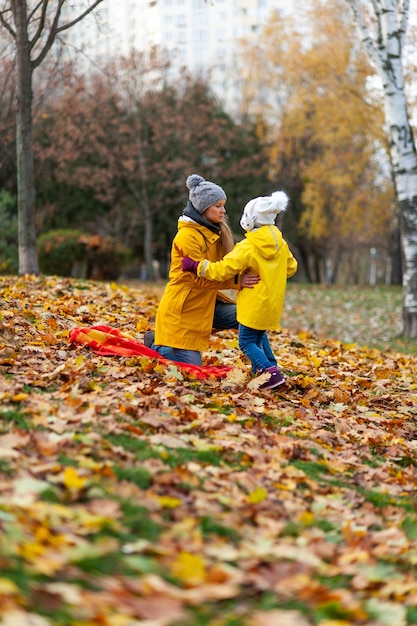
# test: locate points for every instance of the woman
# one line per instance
(191, 306)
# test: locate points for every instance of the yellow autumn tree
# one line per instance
(311, 85)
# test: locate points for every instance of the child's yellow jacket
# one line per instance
(264, 251)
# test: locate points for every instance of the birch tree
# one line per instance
(383, 26)
(33, 28)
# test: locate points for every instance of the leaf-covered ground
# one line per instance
(131, 495)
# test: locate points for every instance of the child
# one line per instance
(265, 252)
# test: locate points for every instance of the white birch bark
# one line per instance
(383, 26)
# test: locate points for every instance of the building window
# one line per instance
(202, 36)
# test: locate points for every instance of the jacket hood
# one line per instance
(267, 240)
(209, 234)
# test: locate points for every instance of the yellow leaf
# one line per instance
(31, 550)
(289, 485)
(316, 361)
(72, 480)
(169, 503)
(7, 587)
(257, 495)
(335, 622)
(306, 518)
(189, 568)
(18, 397)
(142, 324)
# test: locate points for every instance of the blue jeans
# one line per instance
(224, 317)
(255, 345)
(182, 356)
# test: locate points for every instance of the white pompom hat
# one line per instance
(263, 210)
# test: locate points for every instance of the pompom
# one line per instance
(279, 200)
(194, 180)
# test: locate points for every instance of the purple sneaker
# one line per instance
(275, 380)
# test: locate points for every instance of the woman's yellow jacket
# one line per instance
(185, 314)
(266, 253)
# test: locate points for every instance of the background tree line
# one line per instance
(113, 148)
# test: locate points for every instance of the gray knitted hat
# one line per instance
(203, 193)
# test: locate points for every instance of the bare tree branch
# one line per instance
(56, 29)
(35, 9)
(37, 35)
(80, 17)
(51, 35)
(6, 24)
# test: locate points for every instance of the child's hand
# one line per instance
(188, 265)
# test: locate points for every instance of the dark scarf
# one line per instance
(191, 212)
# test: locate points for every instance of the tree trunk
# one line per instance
(395, 276)
(385, 51)
(28, 258)
(409, 255)
(404, 160)
(147, 244)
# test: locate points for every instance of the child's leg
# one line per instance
(251, 343)
(266, 347)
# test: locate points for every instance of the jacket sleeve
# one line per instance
(190, 246)
(233, 263)
(292, 264)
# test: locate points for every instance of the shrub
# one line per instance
(73, 253)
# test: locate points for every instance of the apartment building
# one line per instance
(201, 35)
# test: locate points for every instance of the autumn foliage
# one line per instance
(128, 138)
(324, 124)
(132, 493)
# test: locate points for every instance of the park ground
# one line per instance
(134, 494)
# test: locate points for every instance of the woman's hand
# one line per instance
(248, 279)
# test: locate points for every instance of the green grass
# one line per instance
(137, 475)
(177, 457)
(367, 316)
(15, 419)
